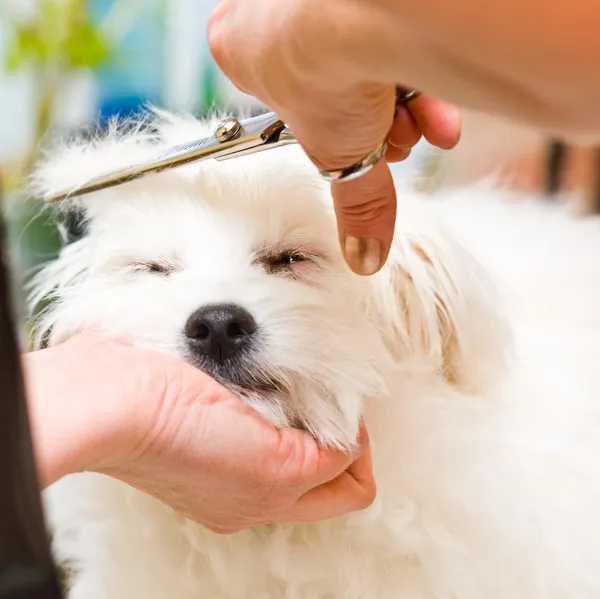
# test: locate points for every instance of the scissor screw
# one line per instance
(228, 129)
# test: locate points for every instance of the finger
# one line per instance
(96, 334)
(352, 490)
(396, 154)
(302, 463)
(224, 530)
(221, 22)
(366, 212)
(214, 32)
(439, 122)
(405, 132)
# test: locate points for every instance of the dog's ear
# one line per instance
(436, 305)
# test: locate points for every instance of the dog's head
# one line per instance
(236, 267)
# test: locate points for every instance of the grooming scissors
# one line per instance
(230, 139)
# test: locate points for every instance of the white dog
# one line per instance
(472, 357)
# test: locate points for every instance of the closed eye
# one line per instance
(285, 262)
(285, 259)
(156, 267)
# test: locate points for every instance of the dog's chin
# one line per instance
(238, 377)
(267, 394)
(286, 401)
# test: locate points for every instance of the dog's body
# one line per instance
(474, 370)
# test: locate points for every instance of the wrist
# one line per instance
(78, 396)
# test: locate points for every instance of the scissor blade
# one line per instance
(256, 132)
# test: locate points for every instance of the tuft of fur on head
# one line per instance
(68, 163)
(158, 248)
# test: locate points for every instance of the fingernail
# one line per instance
(364, 256)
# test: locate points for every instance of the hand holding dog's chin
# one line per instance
(164, 427)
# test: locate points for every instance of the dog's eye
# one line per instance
(283, 262)
(286, 259)
(154, 267)
(288, 262)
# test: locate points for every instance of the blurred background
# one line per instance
(68, 64)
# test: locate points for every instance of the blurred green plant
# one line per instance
(58, 40)
(61, 34)
(53, 43)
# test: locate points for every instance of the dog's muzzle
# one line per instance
(221, 340)
(219, 333)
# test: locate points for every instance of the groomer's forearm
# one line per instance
(54, 418)
(74, 393)
(531, 60)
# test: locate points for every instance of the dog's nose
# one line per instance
(219, 331)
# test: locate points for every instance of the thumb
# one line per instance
(366, 214)
(354, 124)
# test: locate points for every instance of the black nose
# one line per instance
(219, 331)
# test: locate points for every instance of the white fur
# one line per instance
(472, 357)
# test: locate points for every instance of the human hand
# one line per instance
(171, 431)
(303, 67)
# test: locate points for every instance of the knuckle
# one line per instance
(368, 496)
(370, 210)
(216, 47)
(290, 459)
(217, 40)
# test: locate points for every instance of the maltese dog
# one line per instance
(471, 356)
